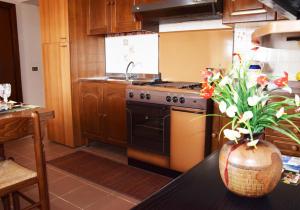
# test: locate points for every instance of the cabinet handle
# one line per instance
(64, 45)
(294, 148)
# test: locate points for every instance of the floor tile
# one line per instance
(60, 204)
(85, 196)
(54, 175)
(111, 203)
(64, 185)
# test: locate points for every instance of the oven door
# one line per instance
(149, 127)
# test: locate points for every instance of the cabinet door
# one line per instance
(91, 109)
(237, 11)
(56, 59)
(54, 21)
(115, 113)
(99, 17)
(123, 19)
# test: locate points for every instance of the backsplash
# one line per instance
(275, 60)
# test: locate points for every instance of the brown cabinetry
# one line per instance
(68, 55)
(237, 11)
(103, 112)
(111, 16)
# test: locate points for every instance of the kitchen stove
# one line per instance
(182, 94)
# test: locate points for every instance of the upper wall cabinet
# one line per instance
(111, 16)
(237, 11)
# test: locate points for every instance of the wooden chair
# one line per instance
(14, 177)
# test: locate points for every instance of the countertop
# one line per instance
(202, 188)
(106, 80)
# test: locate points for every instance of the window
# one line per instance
(141, 49)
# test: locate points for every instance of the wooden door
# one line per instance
(54, 21)
(123, 19)
(91, 109)
(56, 60)
(115, 113)
(9, 50)
(99, 17)
(237, 11)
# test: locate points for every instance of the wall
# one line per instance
(30, 52)
(184, 55)
(274, 61)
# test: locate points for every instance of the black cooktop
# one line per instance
(169, 84)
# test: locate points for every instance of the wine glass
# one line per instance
(5, 92)
(1, 91)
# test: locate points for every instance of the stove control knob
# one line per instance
(148, 96)
(142, 96)
(131, 94)
(182, 100)
(168, 99)
(175, 99)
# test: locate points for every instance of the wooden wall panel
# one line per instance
(87, 57)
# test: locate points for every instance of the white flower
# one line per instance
(263, 103)
(243, 130)
(272, 86)
(251, 83)
(253, 100)
(297, 100)
(287, 89)
(280, 112)
(252, 143)
(216, 76)
(246, 116)
(232, 135)
(231, 111)
(222, 106)
(235, 97)
(226, 80)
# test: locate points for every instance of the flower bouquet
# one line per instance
(250, 166)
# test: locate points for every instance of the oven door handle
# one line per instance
(188, 110)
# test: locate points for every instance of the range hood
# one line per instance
(174, 11)
(278, 34)
(287, 8)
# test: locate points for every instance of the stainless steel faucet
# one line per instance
(127, 68)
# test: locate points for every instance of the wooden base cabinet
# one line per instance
(103, 112)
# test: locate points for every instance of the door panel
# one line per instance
(242, 5)
(115, 113)
(123, 18)
(9, 51)
(91, 108)
(99, 17)
(56, 62)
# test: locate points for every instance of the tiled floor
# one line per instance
(68, 192)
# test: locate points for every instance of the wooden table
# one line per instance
(202, 188)
(45, 115)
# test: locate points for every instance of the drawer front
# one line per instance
(285, 145)
(272, 132)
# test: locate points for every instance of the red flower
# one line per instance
(283, 81)
(262, 80)
(207, 91)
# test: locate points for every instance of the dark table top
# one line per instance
(202, 188)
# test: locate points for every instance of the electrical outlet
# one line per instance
(35, 68)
